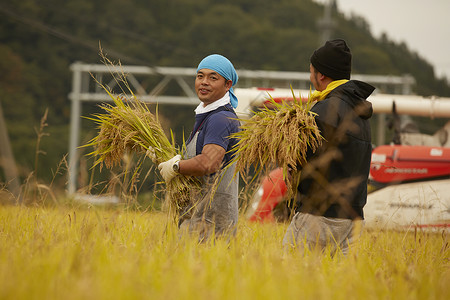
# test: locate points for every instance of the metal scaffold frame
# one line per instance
(85, 89)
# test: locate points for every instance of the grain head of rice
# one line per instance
(280, 133)
(129, 126)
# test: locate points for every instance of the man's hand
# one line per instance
(166, 168)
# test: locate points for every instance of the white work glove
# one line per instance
(166, 168)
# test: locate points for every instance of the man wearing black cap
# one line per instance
(333, 186)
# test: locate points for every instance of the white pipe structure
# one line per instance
(433, 107)
(249, 98)
(83, 91)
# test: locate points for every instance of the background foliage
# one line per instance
(40, 39)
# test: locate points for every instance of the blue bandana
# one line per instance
(225, 68)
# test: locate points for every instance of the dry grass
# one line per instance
(74, 253)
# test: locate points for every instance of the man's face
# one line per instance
(313, 77)
(210, 86)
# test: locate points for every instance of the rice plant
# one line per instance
(279, 134)
(129, 126)
(93, 253)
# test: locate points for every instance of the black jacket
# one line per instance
(334, 180)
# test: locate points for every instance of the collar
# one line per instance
(212, 106)
(320, 95)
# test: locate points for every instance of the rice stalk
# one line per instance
(129, 126)
(278, 134)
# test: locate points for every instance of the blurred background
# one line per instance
(41, 39)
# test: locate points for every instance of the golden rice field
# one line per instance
(94, 253)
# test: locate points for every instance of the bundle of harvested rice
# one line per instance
(130, 126)
(278, 134)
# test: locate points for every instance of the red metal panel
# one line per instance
(398, 163)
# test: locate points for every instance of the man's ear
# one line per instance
(321, 77)
(229, 84)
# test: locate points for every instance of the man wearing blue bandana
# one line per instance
(208, 151)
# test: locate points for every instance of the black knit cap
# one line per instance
(333, 60)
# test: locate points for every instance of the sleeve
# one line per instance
(218, 130)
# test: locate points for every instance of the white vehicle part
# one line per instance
(424, 204)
